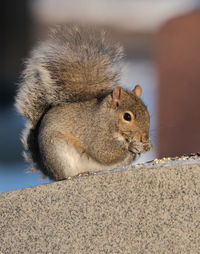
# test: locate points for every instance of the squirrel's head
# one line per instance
(131, 115)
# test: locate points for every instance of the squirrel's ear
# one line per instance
(137, 91)
(116, 96)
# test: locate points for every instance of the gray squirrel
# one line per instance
(79, 118)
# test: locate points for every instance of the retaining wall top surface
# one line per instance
(148, 210)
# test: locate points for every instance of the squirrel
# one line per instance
(78, 118)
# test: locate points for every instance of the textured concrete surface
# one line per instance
(151, 208)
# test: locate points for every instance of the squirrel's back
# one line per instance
(74, 64)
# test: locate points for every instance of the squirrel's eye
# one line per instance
(127, 117)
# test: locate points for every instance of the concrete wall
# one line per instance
(151, 208)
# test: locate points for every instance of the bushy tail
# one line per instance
(75, 64)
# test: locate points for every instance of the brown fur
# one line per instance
(75, 112)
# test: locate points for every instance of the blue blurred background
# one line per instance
(134, 23)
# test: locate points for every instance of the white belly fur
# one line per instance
(74, 163)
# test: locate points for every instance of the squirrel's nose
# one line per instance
(142, 137)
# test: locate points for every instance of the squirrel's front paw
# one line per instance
(147, 146)
(135, 147)
(139, 147)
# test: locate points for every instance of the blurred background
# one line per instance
(161, 40)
